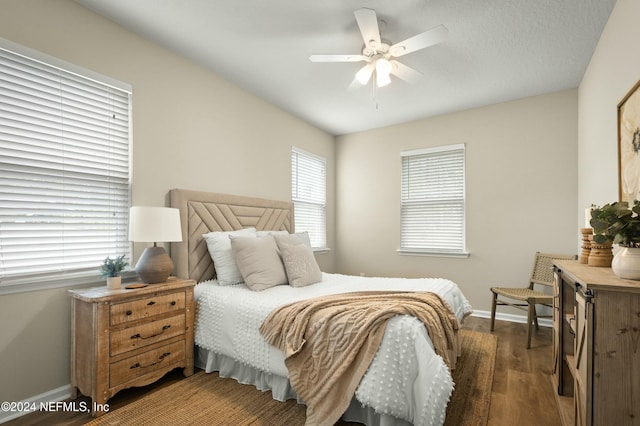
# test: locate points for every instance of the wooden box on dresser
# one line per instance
(596, 345)
(124, 338)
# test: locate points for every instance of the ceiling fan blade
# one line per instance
(428, 38)
(368, 24)
(336, 58)
(404, 72)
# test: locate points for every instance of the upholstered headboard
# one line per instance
(203, 212)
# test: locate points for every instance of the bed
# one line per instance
(405, 383)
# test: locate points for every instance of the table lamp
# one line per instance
(154, 224)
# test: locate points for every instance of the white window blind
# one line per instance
(433, 201)
(308, 193)
(64, 170)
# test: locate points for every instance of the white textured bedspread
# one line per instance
(406, 379)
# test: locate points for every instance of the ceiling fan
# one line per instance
(379, 54)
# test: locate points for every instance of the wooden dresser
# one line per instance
(125, 338)
(596, 346)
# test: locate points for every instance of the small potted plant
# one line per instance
(111, 268)
(616, 223)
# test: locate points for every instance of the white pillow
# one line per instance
(299, 260)
(219, 247)
(258, 261)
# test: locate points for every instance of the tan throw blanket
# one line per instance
(330, 341)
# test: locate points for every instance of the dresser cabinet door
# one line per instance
(581, 358)
(557, 330)
(616, 359)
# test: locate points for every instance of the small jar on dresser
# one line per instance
(124, 338)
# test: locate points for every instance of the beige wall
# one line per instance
(614, 69)
(191, 129)
(521, 191)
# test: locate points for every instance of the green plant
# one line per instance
(616, 223)
(113, 267)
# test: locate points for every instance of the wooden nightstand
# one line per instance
(125, 338)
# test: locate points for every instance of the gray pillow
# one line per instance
(299, 261)
(258, 261)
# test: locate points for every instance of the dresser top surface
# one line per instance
(596, 278)
(103, 294)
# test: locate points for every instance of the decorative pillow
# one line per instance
(258, 261)
(291, 238)
(219, 247)
(299, 261)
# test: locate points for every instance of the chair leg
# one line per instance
(493, 311)
(531, 314)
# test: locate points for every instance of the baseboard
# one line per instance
(543, 322)
(33, 404)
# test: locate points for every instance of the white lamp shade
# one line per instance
(154, 224)
(364, 74)
(383, 69)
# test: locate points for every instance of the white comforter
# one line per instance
(406, 379)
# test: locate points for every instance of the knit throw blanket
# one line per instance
(330, 341)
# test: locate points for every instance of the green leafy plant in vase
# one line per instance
(111, 268)
(616, 223)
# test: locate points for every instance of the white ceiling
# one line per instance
(497, 50)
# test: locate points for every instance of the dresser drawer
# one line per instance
(132, 368)
(146, 334)
(147, 307)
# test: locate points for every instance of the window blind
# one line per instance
(308, 193)
(433, 200)
(64, 171)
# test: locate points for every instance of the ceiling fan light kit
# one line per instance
(379, 54)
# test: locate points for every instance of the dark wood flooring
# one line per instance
(521, 394)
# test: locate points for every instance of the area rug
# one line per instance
(473, 378)
(212, 400)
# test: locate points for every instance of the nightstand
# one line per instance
(124, 338)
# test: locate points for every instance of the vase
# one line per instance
(626, 263)
(600, 254)
(114, 283)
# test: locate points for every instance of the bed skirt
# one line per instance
(281, 389)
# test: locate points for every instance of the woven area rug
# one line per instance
(211, 400)
(473, 378)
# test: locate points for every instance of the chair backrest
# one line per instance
(543, 267)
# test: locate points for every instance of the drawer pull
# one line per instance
(173, 303)
(128, 313)
(151, 303)
(138, 336)
(160, 359)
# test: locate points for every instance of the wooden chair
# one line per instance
(527, 298)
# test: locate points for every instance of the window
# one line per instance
(308, 193)
(432, 204)
(64, 170)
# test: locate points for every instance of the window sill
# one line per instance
(409, 252)
(323, 250)
(48, 282)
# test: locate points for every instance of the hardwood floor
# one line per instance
(521, 393)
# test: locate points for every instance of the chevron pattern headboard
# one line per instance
(203, 212)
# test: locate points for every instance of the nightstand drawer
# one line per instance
(146, 334)
(147, 307)
(137, 366)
